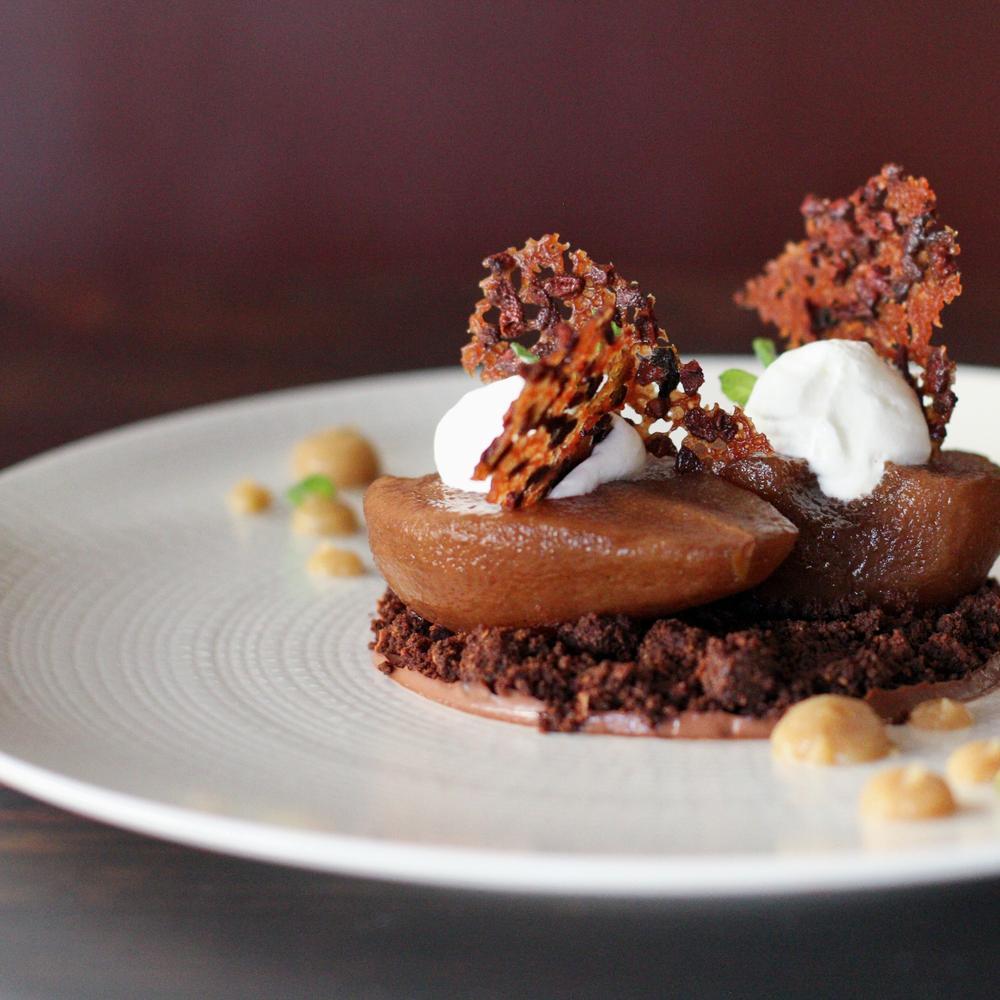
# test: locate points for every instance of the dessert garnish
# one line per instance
(817, 543)
(328, 560)
(941, 714)
(830, 729)
(838, 406)
(317, 510)
(911, 792)
(322, 461)
(975, 762)
(875, 266)
(596, 349)
(249, 497)
(317, 514)
(737, 383)
(315, 485)
(477, 420)
(342, 454)
(872, 480)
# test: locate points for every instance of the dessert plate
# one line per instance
(170, 668)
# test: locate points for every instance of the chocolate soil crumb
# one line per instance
(722, 657)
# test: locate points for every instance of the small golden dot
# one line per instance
(319, 515)
(328, 560)
(906, 793)
(342, 454)
(941, 714)
(830, 729)
(975, 763)
(248, 497)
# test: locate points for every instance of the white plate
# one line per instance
(171, 668)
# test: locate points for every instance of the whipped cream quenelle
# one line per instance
(476, 420)
(845, 411)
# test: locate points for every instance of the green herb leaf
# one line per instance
(737, 385)
(765, 350)
(616, 329)
(316, 485)
(523, 354)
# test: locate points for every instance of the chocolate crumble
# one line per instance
(722, 657)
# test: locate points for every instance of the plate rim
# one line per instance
(519, 872)
(473, 868)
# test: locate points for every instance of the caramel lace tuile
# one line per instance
(876, 266)
(598, 348)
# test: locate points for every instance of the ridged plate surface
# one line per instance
(173, 669)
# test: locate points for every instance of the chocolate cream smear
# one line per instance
(720, 671)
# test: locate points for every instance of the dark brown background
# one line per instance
(199, 200)
(205, 199)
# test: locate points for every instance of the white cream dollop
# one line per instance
(468, 428)
(844, 410)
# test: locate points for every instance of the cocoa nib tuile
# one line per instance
(598, 348)
(876, 266)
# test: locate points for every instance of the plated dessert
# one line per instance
(602, 551)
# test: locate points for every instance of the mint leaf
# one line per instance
(316, 485)
(765, 350)
(523, 354)
(737, 385)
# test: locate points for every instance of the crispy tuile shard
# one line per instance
(598, 348)
(876, 266)
(538, 292)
